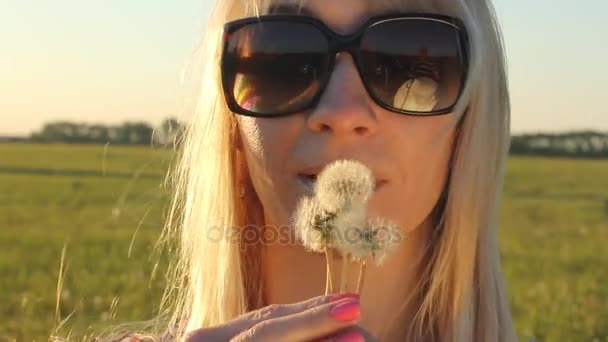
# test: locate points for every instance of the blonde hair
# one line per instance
(462, 292)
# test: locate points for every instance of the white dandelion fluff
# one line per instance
(309, 231)
(343, 183)
(314, 226)
(377, 238)
(348, 222)
(336, 217)
(343, 189)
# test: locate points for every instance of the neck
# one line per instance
(291, 274)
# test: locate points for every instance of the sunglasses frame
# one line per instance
(338, 43)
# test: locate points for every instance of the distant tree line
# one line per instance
(128, 133)
(588, 144)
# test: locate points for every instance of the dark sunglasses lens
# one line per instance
(413, 64)
(275, 67)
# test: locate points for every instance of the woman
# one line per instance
(414, 89)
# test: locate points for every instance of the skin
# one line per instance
(410, 153)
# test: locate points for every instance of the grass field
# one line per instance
(105, 206)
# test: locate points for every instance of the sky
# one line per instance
(109, 61)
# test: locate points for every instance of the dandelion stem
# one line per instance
(327, 278)
(361, 276)
(329, 286)
(344, 272)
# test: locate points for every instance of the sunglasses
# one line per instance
(276, 65)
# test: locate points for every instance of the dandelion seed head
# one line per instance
(337, 215)
(308, 222)
(385, 238)
(377, 238)
(347, 223)
(343, 183)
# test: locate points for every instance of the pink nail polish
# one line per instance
(337, 297)
(352, 336)
(346, 311)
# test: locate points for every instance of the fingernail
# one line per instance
(339, 296)
(352, 336)
(346, 311)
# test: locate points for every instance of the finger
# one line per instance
(307, 325)
(228, 330)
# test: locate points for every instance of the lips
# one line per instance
(307, 182)
(311, 172)
(308, 177)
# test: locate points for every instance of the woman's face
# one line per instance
(408, 155)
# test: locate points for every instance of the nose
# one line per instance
(345, 108)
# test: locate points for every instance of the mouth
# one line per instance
(308, 180)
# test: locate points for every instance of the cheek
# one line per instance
(422, 161)
(427, 179)
(267, 144)
(252, 137)
(262, 155)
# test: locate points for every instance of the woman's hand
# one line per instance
(309, 320)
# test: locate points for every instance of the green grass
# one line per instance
(554, 236)
(94, 199)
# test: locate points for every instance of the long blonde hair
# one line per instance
(462, 293)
